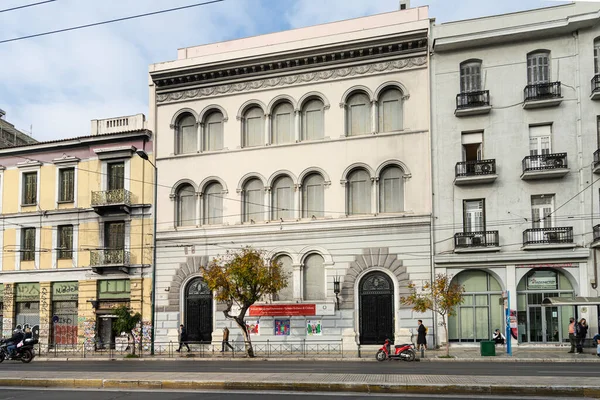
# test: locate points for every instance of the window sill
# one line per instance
(29, 205)
(65, 201)
(65, 258)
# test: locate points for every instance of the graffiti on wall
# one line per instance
(145, 329)
(88, 327)
(9, 297)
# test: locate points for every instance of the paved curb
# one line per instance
(124, 384)
(312, 359)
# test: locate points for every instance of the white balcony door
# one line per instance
(474, 216)
(540, 143)
(542, 208)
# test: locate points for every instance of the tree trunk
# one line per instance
(447, 338)
(247, 342)
(131, 343)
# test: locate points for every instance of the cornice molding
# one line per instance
(318, 76)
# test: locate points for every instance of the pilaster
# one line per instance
(86, 327)
(45, 313)
(9, 309)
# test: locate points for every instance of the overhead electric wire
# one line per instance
(73, 28)
(27, 5)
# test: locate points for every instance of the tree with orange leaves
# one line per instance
(242, 278)
(440, 296)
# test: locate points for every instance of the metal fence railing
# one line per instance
(264, 349)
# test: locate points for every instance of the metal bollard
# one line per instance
(422, 352)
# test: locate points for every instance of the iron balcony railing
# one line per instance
(110, 257)
(548, 235)
(597, 158)
(596, 83)
(545, 162)
(480, 98)
(110, 197)
(542, 91)
(474, 168)
(466, 240)
(596, 232)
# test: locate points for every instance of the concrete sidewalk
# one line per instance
(311, 382)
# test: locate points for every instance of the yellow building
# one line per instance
(77, 233)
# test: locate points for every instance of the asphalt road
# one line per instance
(583, 370)
(44, 394)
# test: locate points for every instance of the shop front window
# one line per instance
(539, 324)
(481, 311)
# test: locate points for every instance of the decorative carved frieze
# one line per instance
(318, 76)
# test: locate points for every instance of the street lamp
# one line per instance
(336, 290)
(144, 156)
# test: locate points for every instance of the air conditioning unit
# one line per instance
(463, 241)
(552, 236)
(477, 240)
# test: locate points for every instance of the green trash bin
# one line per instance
(488, 348)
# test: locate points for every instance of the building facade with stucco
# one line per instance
(311, 144)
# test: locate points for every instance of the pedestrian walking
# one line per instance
(572, 338)
(183, 337)
(421, 335)
(596, 341)
(226, 340)
(581, 333)
(498, 337)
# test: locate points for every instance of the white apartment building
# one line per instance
(312, 144)
(516, 197)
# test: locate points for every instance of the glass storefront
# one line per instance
(28, 305)
(539, 324)
(481, 311)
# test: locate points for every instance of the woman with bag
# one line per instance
(581, 330)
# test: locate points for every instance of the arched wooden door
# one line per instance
(376, 308)
(198, 311)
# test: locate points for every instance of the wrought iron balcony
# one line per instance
(542, 95)
(545, 166)
(472, 103)
(476, 241)
(595, 87)
(596, 241)
(108, 201)
(596, 167)
(110, 258)
(472, 172)
(548, 237)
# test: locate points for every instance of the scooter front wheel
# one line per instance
(381, 356)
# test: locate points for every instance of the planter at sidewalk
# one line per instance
(487, 348)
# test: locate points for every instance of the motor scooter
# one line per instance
(404, 352)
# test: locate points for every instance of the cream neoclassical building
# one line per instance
(314, 145)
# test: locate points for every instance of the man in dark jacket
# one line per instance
(182, 338)
(15, 339)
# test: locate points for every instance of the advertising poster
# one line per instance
(313, 327)
(282, 327)
(252, 327)
(514, 330)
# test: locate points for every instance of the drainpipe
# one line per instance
(432, 187)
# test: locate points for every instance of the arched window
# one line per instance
(470, 76)
(253, 200)
(390, 110)
(283, 124)
(283, 198)
(358, 115)
(597, 56)
(213, 132)
(312, 120)
(480, 313)
(391, 190)
(313, 198)
(253, 127)
(538, 67)
(213, 204)
(359, 192)
(287, 293)
(314, 278)
(186, 135)
(186, 206)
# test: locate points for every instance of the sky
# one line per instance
(53, 86)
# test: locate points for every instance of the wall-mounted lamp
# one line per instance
(95, 304)
(336, 290)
